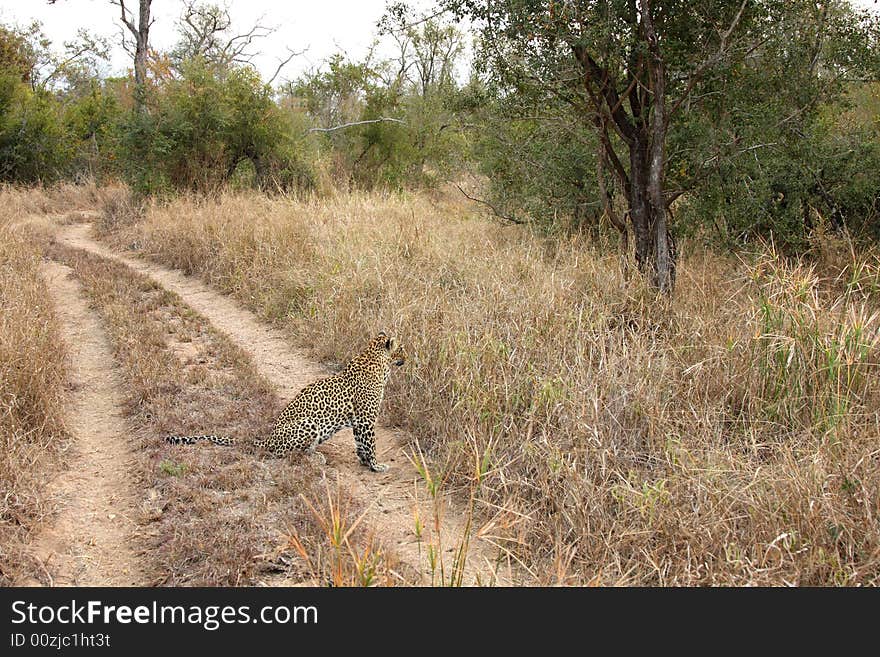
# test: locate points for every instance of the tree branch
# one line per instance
(498, 214)
(605, 140)
(128, 22)
(354, 123)
(283, 63)
(62, 65)
(608, 91)
(618, 223)
(711, 61)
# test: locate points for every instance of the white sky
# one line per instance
(323, 26)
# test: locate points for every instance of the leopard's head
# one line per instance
(396, 352)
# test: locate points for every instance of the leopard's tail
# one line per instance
(223, 441)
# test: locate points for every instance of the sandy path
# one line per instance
(91, 541)
(390, 494)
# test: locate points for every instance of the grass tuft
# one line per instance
(33, 377)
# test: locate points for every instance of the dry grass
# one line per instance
(33, 375)
(726, 437)
(64, 199)
(213, 516)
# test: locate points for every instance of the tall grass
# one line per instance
(813, 351)
(19, 202)
(33, 374)
(725, 436)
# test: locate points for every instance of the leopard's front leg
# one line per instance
(365, 445)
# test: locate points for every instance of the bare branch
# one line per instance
(284, 62)
(126, 43)
(128, 22)
(62, 65)
(498, 214)
(354, 123)
(206, 30)
(399, 13)
(741, 151)
(237, 45)
(709, 62)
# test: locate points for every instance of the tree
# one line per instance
(29, 52)
(425, 45)
(17, 56)
(538, 157)
(421, 80)
(34, 144)
(141, 34)
(206, 31)
(637, 72)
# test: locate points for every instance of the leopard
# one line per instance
(350, 399)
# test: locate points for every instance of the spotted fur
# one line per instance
(350, 399)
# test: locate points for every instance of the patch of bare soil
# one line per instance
(396, 497)
(92, 541)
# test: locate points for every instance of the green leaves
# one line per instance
(202, 126)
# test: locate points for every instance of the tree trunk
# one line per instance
(654, 248)
(142, 43)
(663, 255)
(141, 34)
(639, 208)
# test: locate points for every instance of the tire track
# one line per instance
(91, 541)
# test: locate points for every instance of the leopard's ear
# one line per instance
(391, 344)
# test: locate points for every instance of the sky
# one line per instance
(320, 27)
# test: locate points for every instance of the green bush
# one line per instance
(385, 131)
(820, 176)
(93, 123)
(200, 128)
(34, 143)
